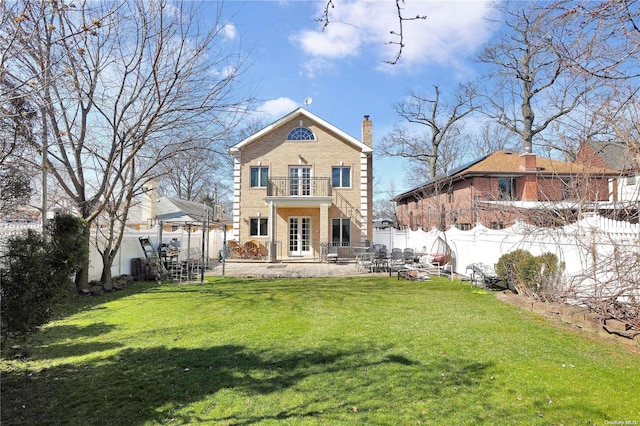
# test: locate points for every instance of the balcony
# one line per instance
(299, 191)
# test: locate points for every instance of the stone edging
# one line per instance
(578, 316)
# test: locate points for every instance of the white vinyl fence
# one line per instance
(579, 245)
(190, 248)
(190, 245)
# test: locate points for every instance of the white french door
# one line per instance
(299, 236)
(300, 180)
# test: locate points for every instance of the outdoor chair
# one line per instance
(236, 249)
(252, 250)
(408, 255)
(380, 261)
(364, 261)
(397, 259)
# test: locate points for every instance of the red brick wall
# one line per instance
(425, 213)
(588, 157)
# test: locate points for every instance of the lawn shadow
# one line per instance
(50, 343)
(153, 385)
(133, 386)
(78, 303)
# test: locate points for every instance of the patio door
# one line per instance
(299, 236)
(300, 181)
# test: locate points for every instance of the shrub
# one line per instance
(533, 275)
(36, 273)
(509, 267)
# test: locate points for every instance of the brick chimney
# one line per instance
(367, 132)
(530, 179)
(528, 162)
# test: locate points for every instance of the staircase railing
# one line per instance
(344, 205)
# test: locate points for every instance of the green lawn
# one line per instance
(361, 350)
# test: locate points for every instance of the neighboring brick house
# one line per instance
(303, 187)
(502, 187)
(625, 188)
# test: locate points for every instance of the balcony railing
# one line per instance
(299, 187)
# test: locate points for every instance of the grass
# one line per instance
(361, 350)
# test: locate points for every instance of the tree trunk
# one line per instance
(107, 262)
(82, 275)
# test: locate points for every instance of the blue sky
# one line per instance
(342, 68)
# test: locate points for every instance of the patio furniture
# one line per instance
(380, 261)
(414, 274)
(364, 261)
(252, 250)
(440, 252)
(408, 255)
(484, 274)
(396, 260)
(236, 249)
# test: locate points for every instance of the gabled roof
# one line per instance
(615, 155)
(292, 115)
(177, 210)
(507, 163)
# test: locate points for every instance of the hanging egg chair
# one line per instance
(440, 252)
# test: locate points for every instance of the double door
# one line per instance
(299, 181)
(299, 236)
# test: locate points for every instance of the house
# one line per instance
(500, 188)
(303, 188)
(384, 223)
(624, 188)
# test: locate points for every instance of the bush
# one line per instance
(509, 267)
(533, 275)
(36, 273)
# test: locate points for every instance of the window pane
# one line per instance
(264, 175)
(346, 232)
(335, 177)
(263, 227)
(505, 188)
(346, 177)
(335, 232)
(254, 176)
(253, 227)
(301, 134)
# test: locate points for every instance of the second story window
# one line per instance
(301, 134)
(259, 177)
(341, 177)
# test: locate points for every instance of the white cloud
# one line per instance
(229, 31)
(276, 108)
(451, 32)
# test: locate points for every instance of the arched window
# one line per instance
(301, 134)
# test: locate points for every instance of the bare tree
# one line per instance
(186, 179)
(600, 39)
(398, 35)
(441, 118)
(490, 138)
(18, 119)
(121, 88)
(530, 84)
(383, 207)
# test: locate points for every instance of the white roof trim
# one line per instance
(350, 139)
